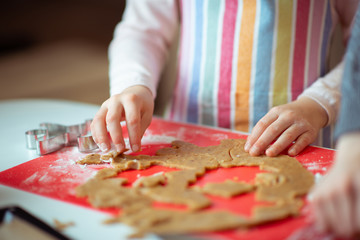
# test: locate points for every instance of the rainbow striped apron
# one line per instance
(239, 58)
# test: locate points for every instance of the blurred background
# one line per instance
(56, 49)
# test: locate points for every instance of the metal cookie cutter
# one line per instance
(51, 137)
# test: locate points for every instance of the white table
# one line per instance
(18, 116)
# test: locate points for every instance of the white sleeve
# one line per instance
(327, 92)
(141, 42)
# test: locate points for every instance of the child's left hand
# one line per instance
(298, 121)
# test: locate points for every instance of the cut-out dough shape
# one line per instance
(226, 189)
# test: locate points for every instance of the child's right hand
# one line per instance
(336, 199)
(135, 105)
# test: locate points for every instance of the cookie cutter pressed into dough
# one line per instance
(51, 137)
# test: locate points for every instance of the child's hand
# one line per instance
(135, 105)
(298, 121)
(335, 201)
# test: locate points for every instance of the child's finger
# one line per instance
(356, 212)
(302, 142)
(344, 208)
(133, 121)
(284, 140)
(333, 207)
(113, 119)
(319, 214)
(145, 122)
(269, 135)
(259, 128)
(98, 129)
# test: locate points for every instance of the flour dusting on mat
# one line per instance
(46, 178)
(316, 166)
(31, 179)
(60, 174)
(157, 139)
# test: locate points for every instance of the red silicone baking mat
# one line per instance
(56, 176)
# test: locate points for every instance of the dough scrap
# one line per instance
(61, 226)
(282, 186)
(176, 191)
(150, 181)
(169, 222)
(93, 158)
(226, 189)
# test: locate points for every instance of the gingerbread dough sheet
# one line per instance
(285, 181)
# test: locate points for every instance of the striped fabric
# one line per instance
(239, 58)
